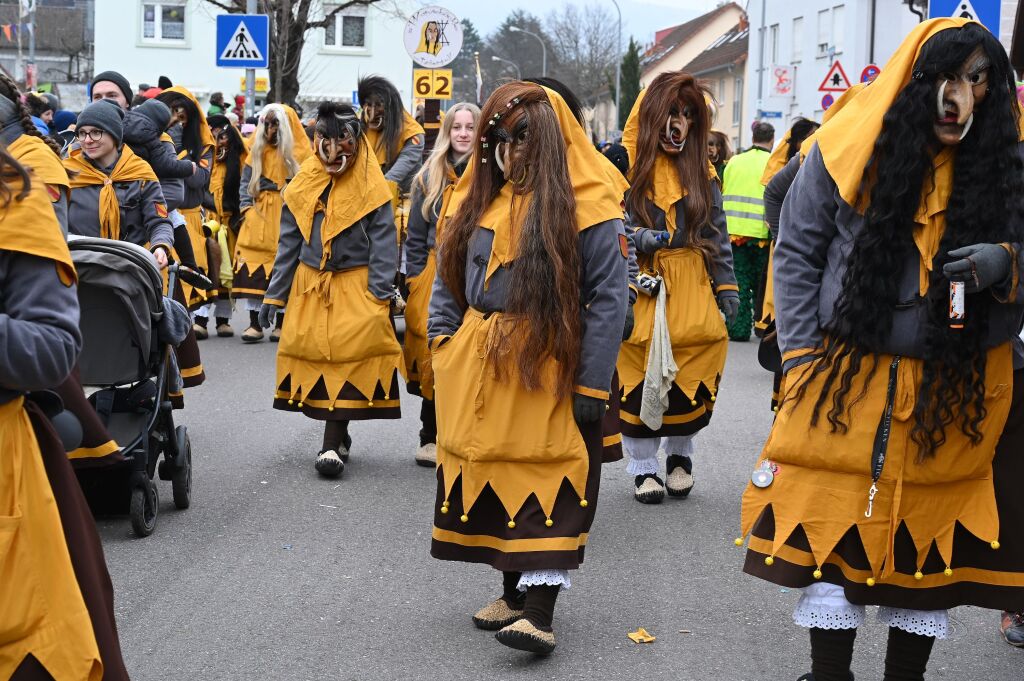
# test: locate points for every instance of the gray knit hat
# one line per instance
(105, 115)
(156, 111)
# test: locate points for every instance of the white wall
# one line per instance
(323, 73)
(851, 37)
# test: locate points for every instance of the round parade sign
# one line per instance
(827, 101)
(433, 37)
(869, 73)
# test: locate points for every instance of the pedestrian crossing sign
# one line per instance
(988, 12)
(243, 41)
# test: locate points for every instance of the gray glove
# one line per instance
(980, 266)
(650, 240)
(627, 330)
(729, 304)
(587, 409)
(268, 315)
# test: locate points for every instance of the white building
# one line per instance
(144, 39)
(809, 36)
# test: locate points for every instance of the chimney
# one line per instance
(744, 23)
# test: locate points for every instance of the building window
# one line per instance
(721, 89)
(737, 101)
(773, 43)
(347, 30)
(824, 29)
(798, 39)
(163, 21)
(837, 28)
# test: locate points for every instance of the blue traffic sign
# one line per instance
(243, 41)
(985, 11)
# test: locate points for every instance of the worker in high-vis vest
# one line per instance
(743, 196)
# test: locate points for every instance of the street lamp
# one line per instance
(543, 47)
(618, 66)
(519, 74)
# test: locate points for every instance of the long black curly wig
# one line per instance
(984, 207)
(394, 110)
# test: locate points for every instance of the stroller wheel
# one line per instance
(145, 500)
(181, 480)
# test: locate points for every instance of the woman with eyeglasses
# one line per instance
(114, 193)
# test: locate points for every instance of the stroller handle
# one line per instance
(192, 277)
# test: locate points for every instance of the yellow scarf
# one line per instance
(129, 168)
(356, 193)
(410, 129)
(666, 187)
(33, 153)
(30, 226)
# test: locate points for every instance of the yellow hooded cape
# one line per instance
(128, 168)
(360, 190)
(410, 128)
(33, 153)
(206, 142)
(666, 186)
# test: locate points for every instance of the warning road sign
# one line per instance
(243, 41)
(835, 80)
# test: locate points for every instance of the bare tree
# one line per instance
(290, 21)
(583, 39)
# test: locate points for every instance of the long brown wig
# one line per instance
(669, 94)
(544, 287)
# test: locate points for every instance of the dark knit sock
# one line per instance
(221, 321)
(335, 435)
(906, 656)
(279, 323)
(254, 319)
(832, 653)
(540, 605)
(510, 590)
(200, 320)
(428, 418)
(675, 460)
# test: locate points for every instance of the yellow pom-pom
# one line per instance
(291, 402)
(549, 522)
(714, 397)
(446, 504)
(444, 509)
(769, 561)
(738, 541)
(300, 405)
(995, 544)
(584, 503)
(330, 408)
(775, 409)
(623, 400)
(693, 403)
(871, 581)
(948, 572)
(919, 575)
(370, 403)
(817, 574)
(511, 524)
(464, 518)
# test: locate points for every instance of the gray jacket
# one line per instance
(421, 232)
(603, 297)
(775, 194)
(816, 236)
(140, 221)
(406, 164)
(371, 242)
(39, 335)
(720, 261)
(245, 199)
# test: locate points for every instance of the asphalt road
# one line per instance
(276, 574)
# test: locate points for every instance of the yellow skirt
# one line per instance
(820, 490)
(699, 346)
(418, 371)
(197, 236)
(256, 246)
(338, 357)
(42, 611)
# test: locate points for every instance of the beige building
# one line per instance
(722, 66)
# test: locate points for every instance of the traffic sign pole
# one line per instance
(250, 74)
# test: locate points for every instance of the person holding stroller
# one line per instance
(114, 193)
(339, 358)
(73, 635)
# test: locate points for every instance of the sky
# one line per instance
(640, 18)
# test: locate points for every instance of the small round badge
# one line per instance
(762, 477)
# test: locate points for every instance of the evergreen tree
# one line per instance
(630, 81)
(464, 66)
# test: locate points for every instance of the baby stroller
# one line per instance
(127, 368)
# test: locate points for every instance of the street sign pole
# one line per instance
(250, 74)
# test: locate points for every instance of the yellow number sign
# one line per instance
(432, 83)
(262, 84)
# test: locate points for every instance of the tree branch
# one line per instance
(233, 7)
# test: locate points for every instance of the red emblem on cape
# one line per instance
(54, 192)
(624, 246)
(161, 210)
